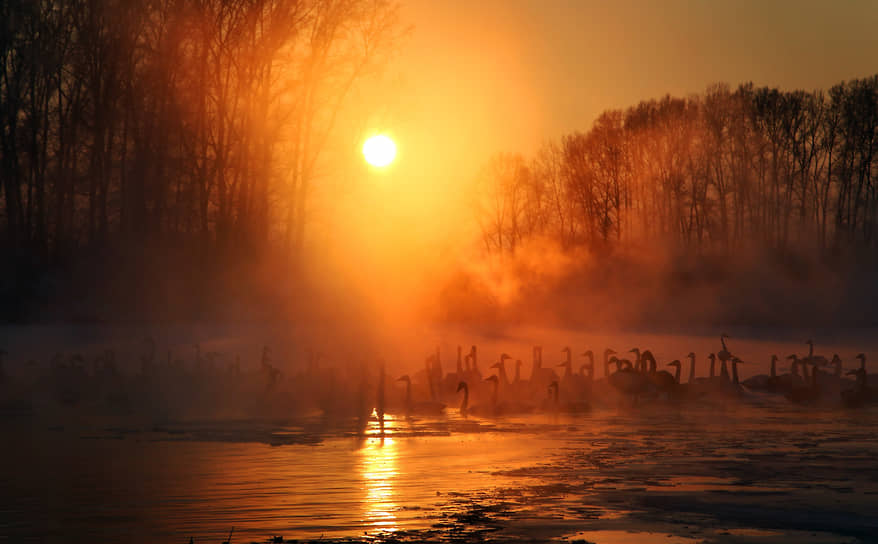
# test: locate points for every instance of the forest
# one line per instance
(160, 159)
(188, 132)
(710, 173)
(753, 207)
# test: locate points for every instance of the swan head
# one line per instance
(712, 357)
(518, 363)
(675, 362)
(835, 359)
(404, 378)
(861, 356)
(691, 355)
(809, 342)
(793, 357)
(774, 359)
(493, 379)
(587, 353)
(504, 356)
(462, 387)
(608, 352)
(566, 350)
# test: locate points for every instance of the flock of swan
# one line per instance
(632, 378)
(173, 389)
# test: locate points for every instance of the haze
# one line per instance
(433, 271)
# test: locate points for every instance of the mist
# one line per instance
(614, 282)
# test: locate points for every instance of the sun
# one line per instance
(379, 150)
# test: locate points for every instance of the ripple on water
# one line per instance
(629, 537)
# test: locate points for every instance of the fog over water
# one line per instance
(616, 284)
(719, 469)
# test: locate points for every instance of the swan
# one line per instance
(817, 360)
(724, 354)
(499, 408)
(870, 378)
(712, 358)
(643, 360)
(637, 360)
(791, 380)
(763, 382)
(541, 377)
(836, 362)
(691, 356)
(807, 393)
(574, 384)
(567, 363)
(861, 393)
(464, 405)
(628, 381)
(736, 384)
(425, 407)
(501, 368)
(474, 359)
(428, 368)
(677, 370)
(450, 380)
(568, 407)
(607, 353)
(587, 378)
(663, 380)
(682, 391)
(647, 361)
(590, 356)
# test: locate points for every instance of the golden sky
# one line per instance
(477, 77)
(504, 75)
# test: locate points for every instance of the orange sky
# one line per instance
(504, 75)
(477, 77)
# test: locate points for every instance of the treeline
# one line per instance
(185, 120)
(705, 174)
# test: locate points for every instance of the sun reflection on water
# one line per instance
(378, 469)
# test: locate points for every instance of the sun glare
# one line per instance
(379, 150)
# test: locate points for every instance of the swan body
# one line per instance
(628, 381)
(763, 382)
(424, 407)
(568, 407)
(806, 394)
